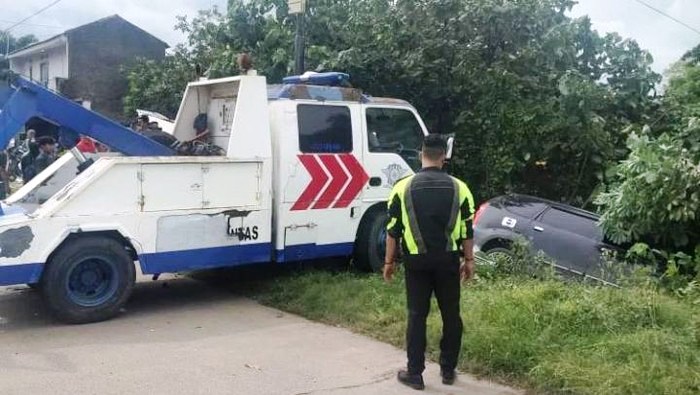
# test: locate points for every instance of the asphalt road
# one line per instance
(183, 336)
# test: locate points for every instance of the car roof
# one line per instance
(519, 198)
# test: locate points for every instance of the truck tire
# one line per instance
(88, 280)
(371, 242)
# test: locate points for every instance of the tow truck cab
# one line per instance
(306, 169)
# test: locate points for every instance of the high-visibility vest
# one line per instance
(457, 226)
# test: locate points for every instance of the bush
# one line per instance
(656, 196)
(656, 201)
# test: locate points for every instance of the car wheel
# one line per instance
(371, 242)
(88, 280)
(499, 254)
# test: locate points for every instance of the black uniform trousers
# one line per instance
(426, 275)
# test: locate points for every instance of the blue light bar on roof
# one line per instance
(323, 79)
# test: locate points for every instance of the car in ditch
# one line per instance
(570, 236)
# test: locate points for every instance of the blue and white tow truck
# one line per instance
(303, 172)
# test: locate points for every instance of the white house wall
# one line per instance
(30, 64)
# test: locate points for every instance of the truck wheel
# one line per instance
(371, 242)
(88, 280)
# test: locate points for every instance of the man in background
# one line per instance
(29, 140)
(4, 175)
(47, 154)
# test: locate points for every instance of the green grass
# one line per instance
(549, 336)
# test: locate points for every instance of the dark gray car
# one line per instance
(569, 235)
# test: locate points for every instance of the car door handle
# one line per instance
(538, 228)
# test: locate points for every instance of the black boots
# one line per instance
(414, 381)
(448, 376)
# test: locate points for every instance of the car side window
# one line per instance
(572, 223)
(324, 129)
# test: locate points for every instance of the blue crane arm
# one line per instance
(28, 99)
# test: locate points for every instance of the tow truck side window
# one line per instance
(324, 129)
(395, 130)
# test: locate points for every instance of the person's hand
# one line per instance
(467, 269)
(388, 272)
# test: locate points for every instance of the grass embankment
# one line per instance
(544, 335)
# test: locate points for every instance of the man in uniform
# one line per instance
(431, 214)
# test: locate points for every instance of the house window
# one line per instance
(324, 129)
(44, 73)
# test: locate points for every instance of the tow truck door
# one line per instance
(321, 177)
(392, 139)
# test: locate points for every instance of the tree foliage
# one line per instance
(158, 86)
(15, 44)
(654, 196)
(538, 100)
(657, 197)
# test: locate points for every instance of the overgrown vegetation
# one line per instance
(543, 334)
(653, 197)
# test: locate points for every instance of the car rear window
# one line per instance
(525, 209)
(573, 223)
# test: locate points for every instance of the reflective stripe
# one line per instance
(460, 231)
(395, 192)
(454, 215)
(413, 222)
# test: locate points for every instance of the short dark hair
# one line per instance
(434, 147)
(46, 140)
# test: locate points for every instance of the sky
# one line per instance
(665, 39)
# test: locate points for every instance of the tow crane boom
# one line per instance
(28, 100)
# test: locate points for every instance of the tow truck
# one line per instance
(303, 172)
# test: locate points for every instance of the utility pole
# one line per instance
(298, 8)
(7, 43)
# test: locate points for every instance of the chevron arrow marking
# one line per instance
(338, 180)
(338, 169)
(318, 181)
(358, 180)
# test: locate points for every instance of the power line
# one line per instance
(7, 31)
(31, 24)
(671, 17)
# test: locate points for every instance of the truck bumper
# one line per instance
(20, 274)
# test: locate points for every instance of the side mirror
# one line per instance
(450, 146)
